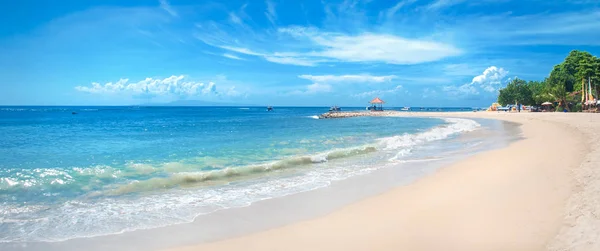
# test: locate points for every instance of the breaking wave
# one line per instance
(401, 145)
(228, 174)
(103, 215)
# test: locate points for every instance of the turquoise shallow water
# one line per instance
(107, 170)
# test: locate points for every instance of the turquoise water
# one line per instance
(106, 170)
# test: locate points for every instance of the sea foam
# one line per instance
(179, 197)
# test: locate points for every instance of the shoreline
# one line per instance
(289, 209)
(560, 212)
(534, 202)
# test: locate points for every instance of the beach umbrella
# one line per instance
(546, 104)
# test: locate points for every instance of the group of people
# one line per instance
(516, 108)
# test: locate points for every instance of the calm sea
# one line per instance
(106, 170)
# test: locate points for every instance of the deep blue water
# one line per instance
(89, 173)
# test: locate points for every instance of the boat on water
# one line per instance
(405, 109)
(335, 109)
(269, 108)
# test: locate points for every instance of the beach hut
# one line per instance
(376, 104)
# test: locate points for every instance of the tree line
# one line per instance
(562, 87)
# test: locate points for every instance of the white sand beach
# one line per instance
(539, 193)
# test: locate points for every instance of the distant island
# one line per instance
(568, 86)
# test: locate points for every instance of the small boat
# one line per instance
(269, 108)
(405, 109)
(335, 109)
(73, 113)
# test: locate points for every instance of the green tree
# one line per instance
(539, 92)
(562, 84)
(517, 91)
(566, 78)
(558, 83)
(582, 66)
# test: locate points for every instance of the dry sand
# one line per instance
(540, 193)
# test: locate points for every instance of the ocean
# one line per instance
(72, 172)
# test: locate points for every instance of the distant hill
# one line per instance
(196, 103)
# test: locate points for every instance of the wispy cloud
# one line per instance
(164, 4)
(438, 4)
(242, 51)
(381, 93)
(234, 18)
(460, 69)
(233, 92)
(231, 56)
(280, 58)
(389, 13)
(291, 60)
(296, 43)
(174, 85)
(460, 91)
(314, 88)
(429, 93)
(270, 12)
(372, 47)
(364, 78)
(531, 29)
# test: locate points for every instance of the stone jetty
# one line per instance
(335, 115)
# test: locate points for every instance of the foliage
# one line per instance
(516, 91)
(559, 84)
(539, 92)
(563, 84)
(582, 66)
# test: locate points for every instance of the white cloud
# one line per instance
(281, 58)
(389, 13)
(534, 29)
(371, 47)
(312, 89)
(242, 50)
(232, 92)
(231, 56)
(164, 4)
(316, 87)
(234, 18)
(438, 4)
(462, 90)
(365, 78)
(174, 85)
(291, 60)
(489, 81)
(459, 70)
(429, 93)
(381, 93)
(309, 47)
(270, 13)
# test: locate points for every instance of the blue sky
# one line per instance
(408, 52)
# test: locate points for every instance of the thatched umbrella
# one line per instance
(377, 101)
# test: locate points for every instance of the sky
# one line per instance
(283, 52)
